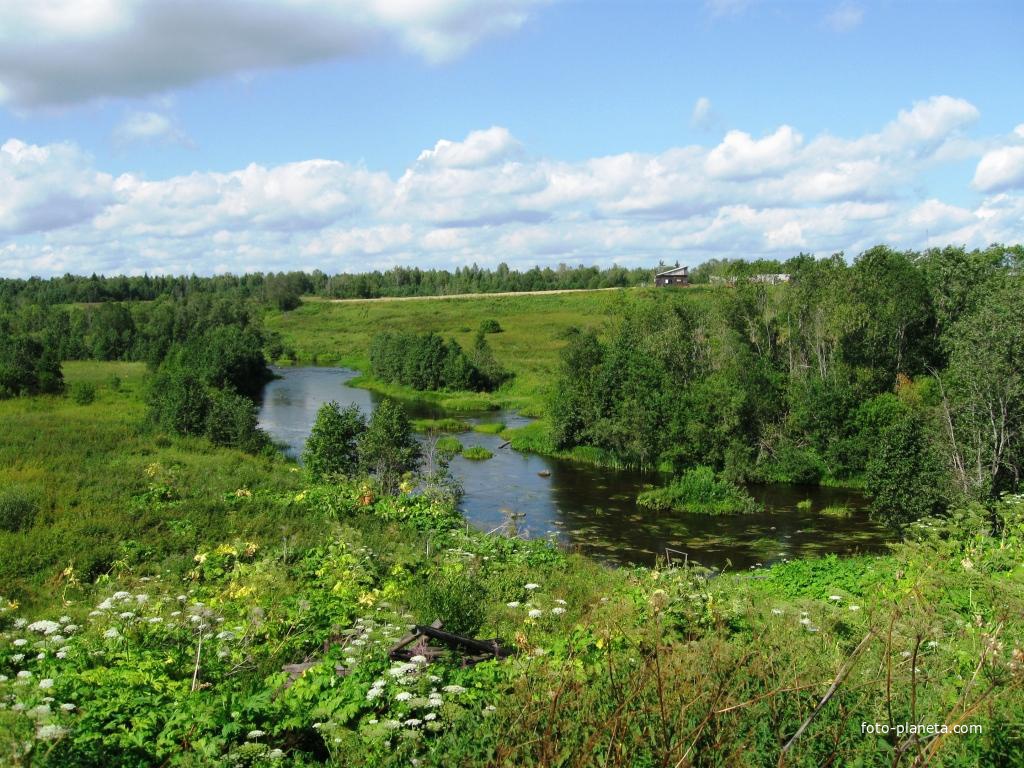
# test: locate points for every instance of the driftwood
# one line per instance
(474, 650)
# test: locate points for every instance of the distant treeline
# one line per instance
(284, 290)
(905, 369)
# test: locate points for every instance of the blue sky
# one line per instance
(144, 135)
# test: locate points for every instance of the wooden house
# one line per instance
(677, 276)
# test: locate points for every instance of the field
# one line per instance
(325, 332)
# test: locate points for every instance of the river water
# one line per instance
(591, 508)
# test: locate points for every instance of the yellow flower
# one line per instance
(200, 558)
(300, 496)
(227, 549)
(243, 493)
(367, 599)
(250, 548)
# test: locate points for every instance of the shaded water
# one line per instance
(592, 508)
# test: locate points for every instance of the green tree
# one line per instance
(333, 445)
(904, 474)
(388, 448)
(231, 420)
(28, 367)
(983, 392)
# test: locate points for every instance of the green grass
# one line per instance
(434, 426)
(490, 428)
(837, 511)
(698, 491)
(339, 333)
(477, 453)
(448, 445)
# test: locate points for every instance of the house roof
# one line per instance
(676, 271)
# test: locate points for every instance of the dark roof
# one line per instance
(676, 271)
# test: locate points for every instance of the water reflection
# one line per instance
(591, 508)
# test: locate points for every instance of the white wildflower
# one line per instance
(45, 683)
(111, 633)
(17, 658)
(20, 642)
(558, 611)
(126, 615)
(68, 706)
(121, 595)
(536, 613)
(49, 732)
(20, 623)
(44, 626)
(430, 716)
(777, 611)
(854, 607)
(560, 601)
(255, 734)
(403, 696)
(418, 659)
(513, 604)
(414, 722)
(24, 674)
(531, 586)
(453, 689)
(835, 598)
(71, 628)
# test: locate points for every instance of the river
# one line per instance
(590, 508)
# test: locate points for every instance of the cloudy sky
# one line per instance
(171, 136)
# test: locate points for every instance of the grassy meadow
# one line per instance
(534, 326)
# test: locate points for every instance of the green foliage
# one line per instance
(476, 453)
(448, 445)
(490, 325)
(427, 362)
(699, 491)
(83, 392)
(490, 427)
(433, 426)
(457, 598)
(836, 511)
(18, 509)
(804, 505)
(28, 367)
(387, 448)
(333, 445)
(904, 474)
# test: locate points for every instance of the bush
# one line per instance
(457, 599)
(477, 453)
(231, 420)
(28, 367)
(490, 325)
(387, 448)
(332, 447)
(699, 491)
(83, 392)
(18, 510)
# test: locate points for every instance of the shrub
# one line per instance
(18, 509)
(387, 448)
(332, 447)
(457, 599)
(699, 491)
(231, 420)
(83, 392)
(490, 325)
(804, 505)
(477, 453)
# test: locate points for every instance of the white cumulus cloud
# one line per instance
(1002, 168)
(69, 51)
(485, 199)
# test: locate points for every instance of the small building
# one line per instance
(770, 279)
(677, 276)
